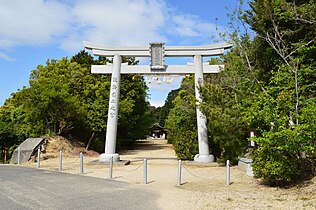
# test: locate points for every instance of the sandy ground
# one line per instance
(203, 187)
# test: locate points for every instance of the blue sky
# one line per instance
(36, 30)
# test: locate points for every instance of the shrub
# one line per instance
(277, 158)
(186, 144)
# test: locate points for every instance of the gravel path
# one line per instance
(203, 187)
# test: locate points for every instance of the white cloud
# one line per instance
(107, 22)
(192, 30)
(189, 25)
(35, 22)
(157, 103)
(124, 22)
(6, 57)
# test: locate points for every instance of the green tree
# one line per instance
(50, 107)
(64, 98)
(226, 123)
(287, 30)
(168, 105)
(154, 114)
(181, 121)
(12, 130)
(93, 93)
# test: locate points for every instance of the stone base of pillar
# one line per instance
(203, 158)
(106, 157)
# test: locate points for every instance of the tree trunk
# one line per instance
(89, 142)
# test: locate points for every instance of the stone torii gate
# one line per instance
(156, 52)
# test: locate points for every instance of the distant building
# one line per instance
(156, 131)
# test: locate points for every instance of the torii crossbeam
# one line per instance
(156, 52)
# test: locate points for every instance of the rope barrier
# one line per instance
(75, 160)
(70, 168)
(129, 170)
(201, 177)
(142, 163)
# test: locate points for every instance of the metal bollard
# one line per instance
(145, 171)
(179, 172)
(60, 160)
(38, 157)
(81, 163)
(111, 167)
(227, 173)
(19, 155)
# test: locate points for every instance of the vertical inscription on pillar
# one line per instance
(113, 97)
(157, 56)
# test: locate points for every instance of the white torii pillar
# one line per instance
(204, 151)
(157, 52)
(111, 127)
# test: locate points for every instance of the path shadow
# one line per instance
(151, 181)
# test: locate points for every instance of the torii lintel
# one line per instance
(169, 51)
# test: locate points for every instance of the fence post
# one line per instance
(227, 173)
(81, 163)
(5, 156)
(60, 160)
(19, 155)
(111, 167)
(179, 172)
(38, 157)
(145, 171)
